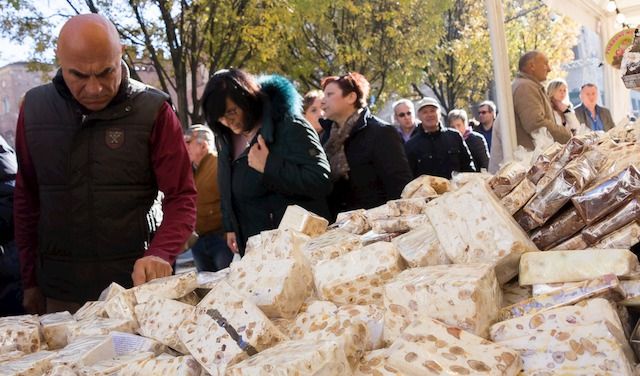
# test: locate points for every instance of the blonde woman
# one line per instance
(563, 113)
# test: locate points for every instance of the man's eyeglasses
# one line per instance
(403, 114)
(483, 112)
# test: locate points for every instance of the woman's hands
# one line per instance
(258, 155)
(231, 241)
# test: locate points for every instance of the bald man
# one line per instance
(94, 148)
(530, 102)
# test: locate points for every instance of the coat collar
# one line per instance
(527, 76)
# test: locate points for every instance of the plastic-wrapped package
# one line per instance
(575, 266)
(571, 180)
(330, 245)
(604, 198)
(370, 315)
(519, 196)
(399, 224)
(421, 247)
(564, 226)
(580, 347)
(467, 296)
(474, 227)
(525, 221)
(563, 318)
(628, 213)
(359, 276)
(507, 178)
(584, 290)
(428, 347)
(623, 238)
(85, 352)
(163, 365)
(631, 290)
(35, 364)
(55, 327)
(10, 355)
(372, 237)
(99, 326)
(160, 318)
(21, 332)
(574, 243)
(90, 310)
(299, 219)
(460, 179)
(572, 150)
(419, 187)
(542, 162)
(409, 206)
(354, 221)
(301, 357)
(111, 367)
(172, 287)
(111, 291)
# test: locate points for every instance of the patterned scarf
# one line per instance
(335, 147)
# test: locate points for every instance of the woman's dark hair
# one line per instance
(352, 82)
(241, 88)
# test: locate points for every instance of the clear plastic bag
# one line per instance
(564, 226)
(614, 221)
(507, 178)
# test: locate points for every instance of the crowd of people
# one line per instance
(98, 151)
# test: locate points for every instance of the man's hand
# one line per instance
(33, 301)
(258, 155)
(150, 267)
(231, 241)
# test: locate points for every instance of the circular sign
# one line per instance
(616, 46)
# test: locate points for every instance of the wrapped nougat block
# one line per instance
(121, 306)
(426, 186)
(542, 162)
(467, 296)
(473, 227)
(300, 219)
(110, 367)
(573, 266)
(399, 224)
(513, 293)
(607, 284)
(99, 326)
(352, 334)
(280, 245)
(174, 366)
(375, 363)
(172, 287)
(160, 318)
(428, 346)
(90, 310)
(358, 277)
(127, 343)
(575, 243)
(301, 357)
(254, 327)
(628, 213)
(631, 290)
(519, 196)
(562, 227)
(211, 344)
(583, 346)
(23, 332)
(372, 316)
(421, 247)
(85, 352)
(191, 298)
(354, 221)
(584, 313)
(408, 206)
(11, 355)
(206, 280)
(507, 178)
(623, 238)
(55, 327)
(111, 291)
(61, 370)
(35, 364)
(277, 287)
(373, 237)
(330, 245)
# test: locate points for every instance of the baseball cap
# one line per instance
(427, 101)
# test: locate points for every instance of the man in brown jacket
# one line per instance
(530, 102)
(210, 252)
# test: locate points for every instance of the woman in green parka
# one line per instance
(269, 157)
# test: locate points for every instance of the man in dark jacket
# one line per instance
(436, 151)
(94, 148)
(368, 164)
(458, 120)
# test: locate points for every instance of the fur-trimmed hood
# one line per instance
(282, 101)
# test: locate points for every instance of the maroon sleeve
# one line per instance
(173, 172)
(26, 208)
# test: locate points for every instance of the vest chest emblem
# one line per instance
(114, 137)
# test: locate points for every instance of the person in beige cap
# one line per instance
(210, 252)
(436, 150)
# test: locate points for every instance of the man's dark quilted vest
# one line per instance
(96, 187)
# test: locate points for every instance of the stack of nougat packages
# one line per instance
(527, 272)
